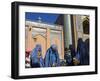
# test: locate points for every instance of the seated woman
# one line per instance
(52, 57)
(73, 54)
(36, 57)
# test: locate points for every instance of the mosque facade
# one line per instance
(45, 35)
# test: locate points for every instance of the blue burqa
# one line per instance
(81, 50)
(87, 52)
(52, 57)
(37, 60)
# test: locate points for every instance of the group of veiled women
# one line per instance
(80, 56)
(51, 59)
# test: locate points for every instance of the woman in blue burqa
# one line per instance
(36, 57)
(81, 50)
(87, 51)
(52, 57)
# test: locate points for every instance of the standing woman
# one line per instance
(81, 51)
(87, 51)
(36, 57)
(52, 57)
